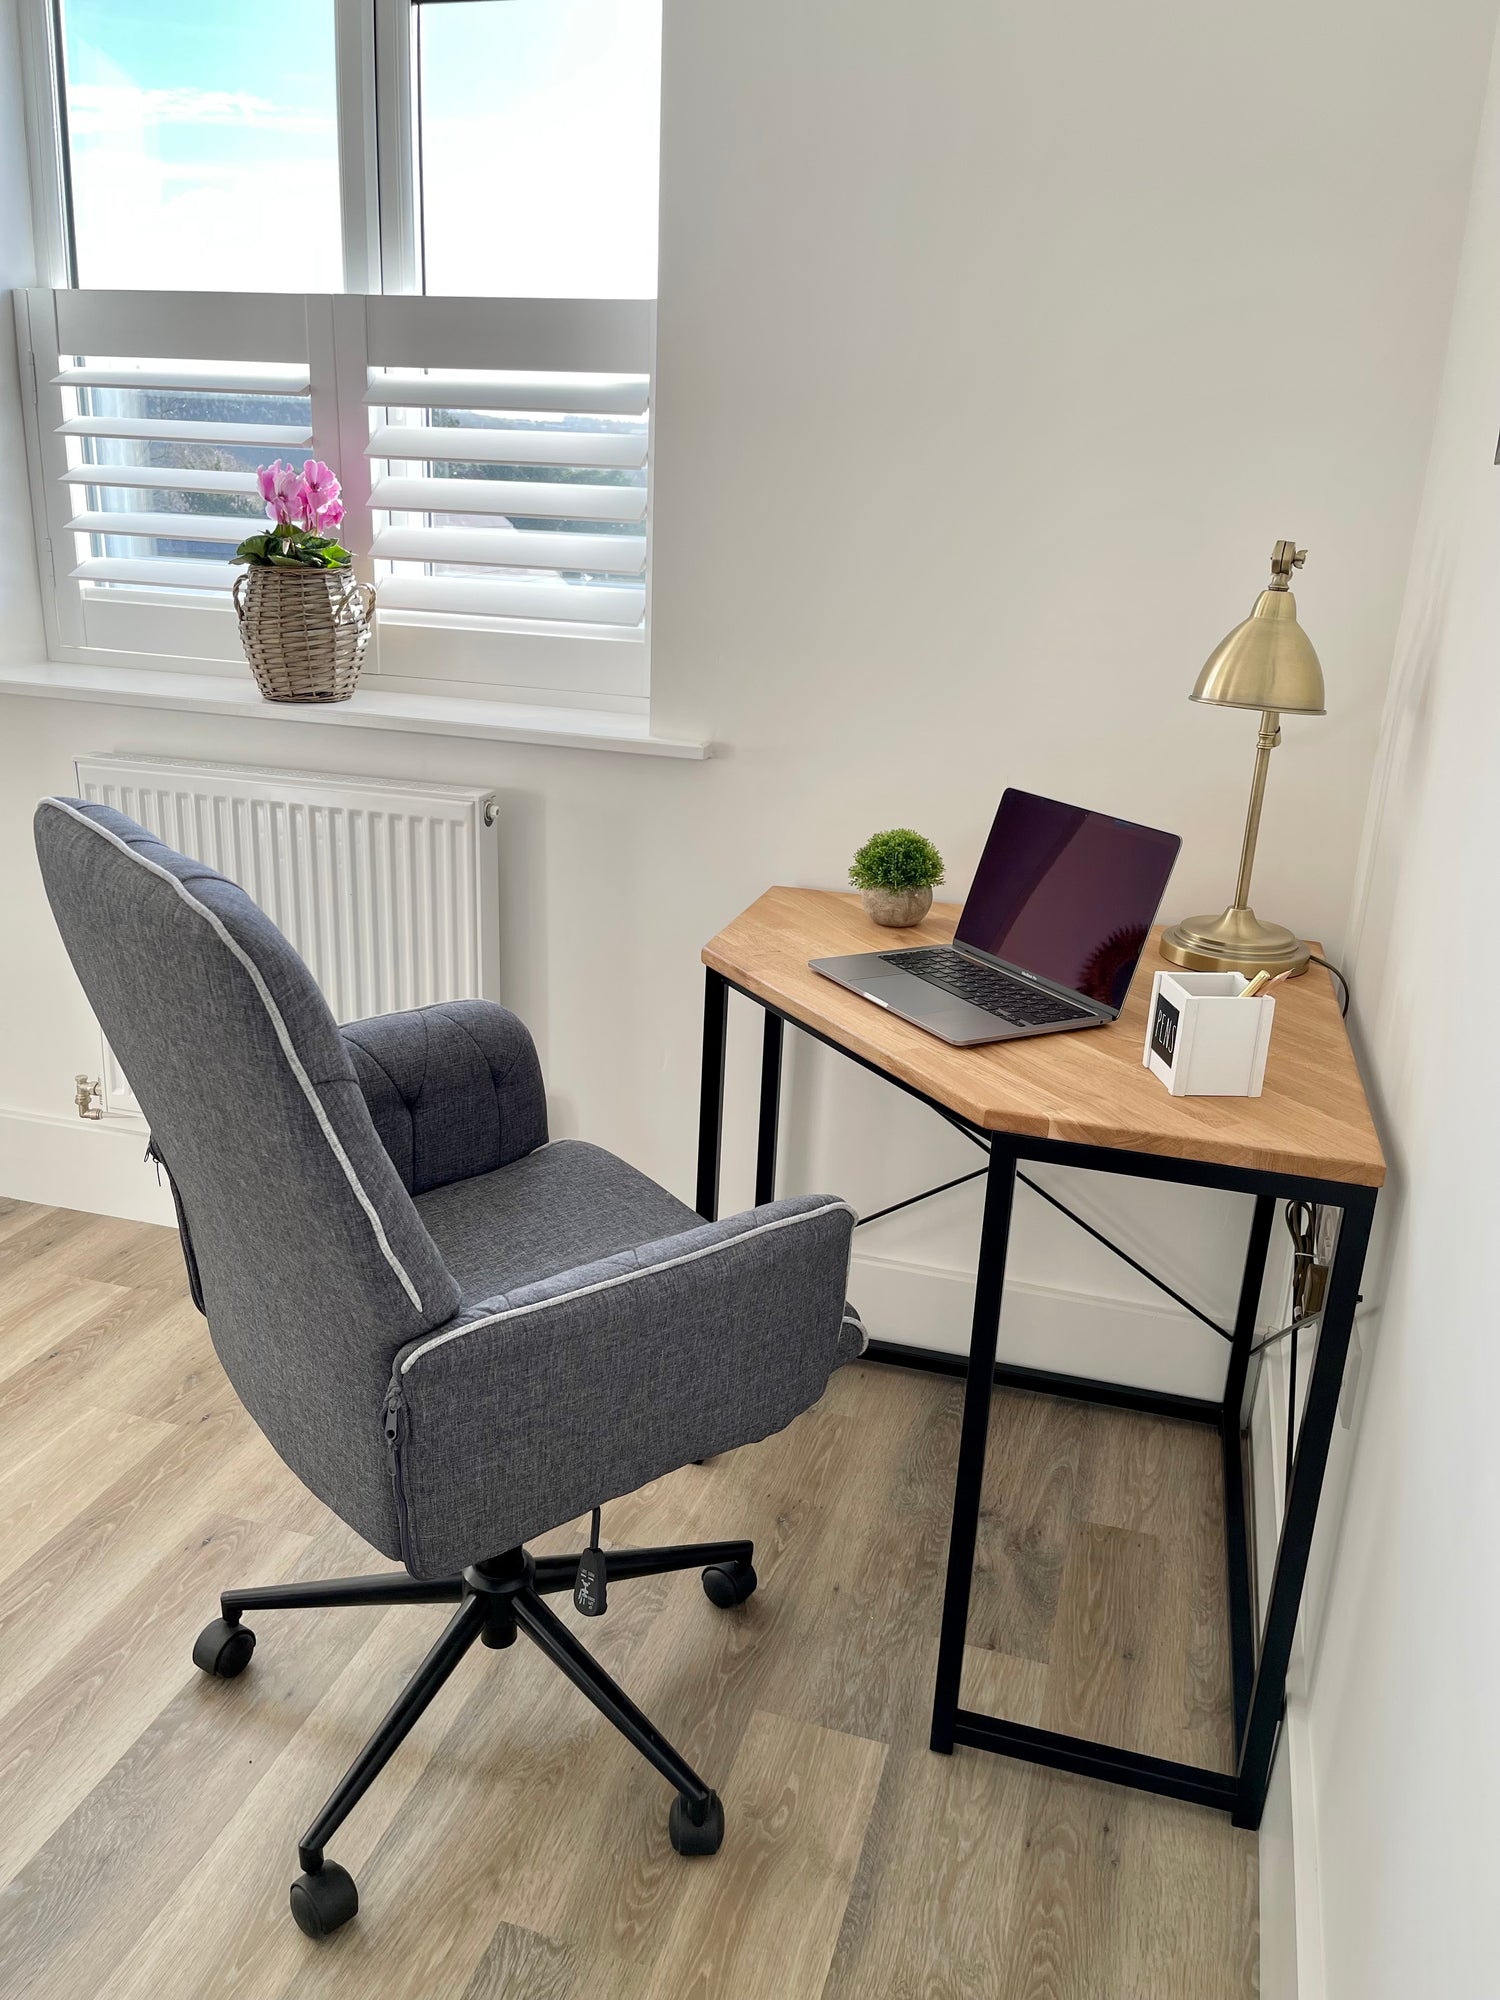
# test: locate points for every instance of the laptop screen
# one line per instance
(1067, 893)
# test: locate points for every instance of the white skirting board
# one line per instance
(1291, 1924)
(1041, 1326)
(1291, 1909)
(61, 1161)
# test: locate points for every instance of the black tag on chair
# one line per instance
(590, 1590)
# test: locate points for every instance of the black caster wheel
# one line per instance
(728, 1584)
(321, 1902)
(223, 1650)
(704, 1835)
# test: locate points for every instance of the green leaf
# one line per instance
(897, 859)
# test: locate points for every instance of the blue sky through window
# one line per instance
(204, 145)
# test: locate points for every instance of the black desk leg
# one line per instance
(994, 1239)
(770, 1110)
(1268, 1696)
(711, 1093)
(1242, 1611)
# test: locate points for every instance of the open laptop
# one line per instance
(1056, 921)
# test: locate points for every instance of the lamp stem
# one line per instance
(1265, 743)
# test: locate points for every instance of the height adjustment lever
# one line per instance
(590, 1590)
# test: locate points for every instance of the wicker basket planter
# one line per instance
(304, 631)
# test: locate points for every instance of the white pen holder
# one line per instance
(1203, 1039)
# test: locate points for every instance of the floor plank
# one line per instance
(802, 1797)
(516, 1846)
(1107, 1605)
(519, 1965)
(222, 1901)
(39, 1307)
(931, 1905)
(118, 1858)
(141, 1352)
(53, 1474)
(57, 1743)
(1038, 1477)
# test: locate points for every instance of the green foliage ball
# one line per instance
(897, 859)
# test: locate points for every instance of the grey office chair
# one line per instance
(457, 1334)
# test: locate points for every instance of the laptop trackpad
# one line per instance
(913, 997)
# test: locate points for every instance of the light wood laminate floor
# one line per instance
(515, 1846)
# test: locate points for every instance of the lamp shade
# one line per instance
(1267, 662)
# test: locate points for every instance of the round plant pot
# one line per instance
(897, 909)
(304, 631)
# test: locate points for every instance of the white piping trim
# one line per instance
(294, 1061)
(622, 1278)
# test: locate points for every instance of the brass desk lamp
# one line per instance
(1267, 663)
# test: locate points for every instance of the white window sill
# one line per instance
(367, 708)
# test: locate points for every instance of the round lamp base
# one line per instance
(1237, 941)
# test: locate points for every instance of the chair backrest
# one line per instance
(314, 1264)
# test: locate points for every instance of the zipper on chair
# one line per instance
(395, 1437)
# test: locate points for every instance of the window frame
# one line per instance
(375, 77)
(377, 164)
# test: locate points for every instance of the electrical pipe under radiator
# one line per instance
(389, 890)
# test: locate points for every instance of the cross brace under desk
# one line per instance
(1259, 1669)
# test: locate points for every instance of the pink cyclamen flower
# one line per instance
(319, 491)
(277, 484)
(321, 484)
(304, 507)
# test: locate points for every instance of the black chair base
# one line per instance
(495, 1600)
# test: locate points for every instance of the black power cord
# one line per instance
(1313, 959)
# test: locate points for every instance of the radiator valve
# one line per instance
(86, 1096)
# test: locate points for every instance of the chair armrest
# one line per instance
(586, 1385)
(454, 1089)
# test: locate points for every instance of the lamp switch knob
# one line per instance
(1285, 557)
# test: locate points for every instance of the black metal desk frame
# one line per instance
(1259, 1658)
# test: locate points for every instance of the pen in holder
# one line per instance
(1205, 1037)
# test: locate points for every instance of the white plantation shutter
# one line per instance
(152, 413)
(495, 457)
(509, 442)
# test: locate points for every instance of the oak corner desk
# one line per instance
(1086, 1100)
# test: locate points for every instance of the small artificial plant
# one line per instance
(897, 859)
(301, 506)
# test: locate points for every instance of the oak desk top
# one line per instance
(1087, 1089)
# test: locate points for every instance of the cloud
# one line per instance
(98, 109)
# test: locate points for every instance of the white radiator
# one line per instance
(390, 891)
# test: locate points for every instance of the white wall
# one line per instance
(1404, 1620)
(997, 346)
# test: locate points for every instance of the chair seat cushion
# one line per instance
(563, 1206)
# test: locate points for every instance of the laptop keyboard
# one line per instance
(1013, 1000)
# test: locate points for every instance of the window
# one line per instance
(182, 122)
(556, 101)
(442, 286)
